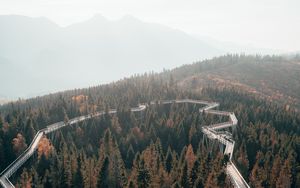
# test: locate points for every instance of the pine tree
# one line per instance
(159, 149)
(66, 117)
(135, 168)
(46, 179)
(275, 170)
(129, 156)
(103, 177)
(26, 179)
(255, 179)
(169, 160)
(195, 173)
(176, 185)
(258, 175)
(143, 176)
(29, 130)
(184, 178)
(131, 184)
(212, 181)
(199, 183)
(182, 156)
(284, 179)
(19, 144)
(242, 160)
(77, 178)
(190, 157)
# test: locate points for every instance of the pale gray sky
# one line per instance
(261, 23)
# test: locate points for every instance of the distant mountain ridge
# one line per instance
(274, 78)
(44, 57)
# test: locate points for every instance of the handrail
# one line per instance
(20, 154)
(212, 130)
(209, 130)
(238, 172)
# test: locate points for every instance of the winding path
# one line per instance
(211, 131)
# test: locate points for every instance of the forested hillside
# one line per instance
(274, 78)
(161, 147)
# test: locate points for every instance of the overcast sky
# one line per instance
(261, 23)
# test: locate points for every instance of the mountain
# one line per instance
(163, 146)
(273, 78)
(50, 58)
(231, 47)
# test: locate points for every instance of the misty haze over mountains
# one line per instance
(38, 56)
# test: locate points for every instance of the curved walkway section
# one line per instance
(211, 131)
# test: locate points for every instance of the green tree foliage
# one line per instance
(143, 175)
(160, 147)
(103, 178)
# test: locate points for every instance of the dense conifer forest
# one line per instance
(160, 147)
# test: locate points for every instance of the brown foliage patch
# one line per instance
(170, 123)
(44, 147)
(137, 132)
(80, 98)
(190, 157)
(19, 144)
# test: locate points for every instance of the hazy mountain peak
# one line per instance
(130, 18)
(15, 17)
(95, 21)
(20, 19)
(98, 17)
(106, 50)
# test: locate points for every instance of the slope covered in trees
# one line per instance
(274, 78)
(159, 147)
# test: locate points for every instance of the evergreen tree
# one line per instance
(284, 179)
(169, 160)
(129, 156)
(143, 176)
(103, 178)
(195, 174)
(184, 178)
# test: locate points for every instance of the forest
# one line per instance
(160, 147)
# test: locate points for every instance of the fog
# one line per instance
(38, 56)
(260, 23)
(47, 46)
